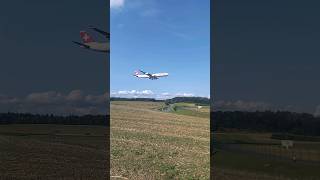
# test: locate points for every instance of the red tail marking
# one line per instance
(86, 37)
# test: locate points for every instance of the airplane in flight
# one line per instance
(90, 43)
(148, 75)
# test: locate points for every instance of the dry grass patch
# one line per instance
(149, 144)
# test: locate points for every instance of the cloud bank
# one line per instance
(116, 4)
(76, 102)
(148, 94)
(317, 111)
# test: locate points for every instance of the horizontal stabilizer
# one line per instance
(81, 44)
(106, 34)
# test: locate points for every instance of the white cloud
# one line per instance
(185, 94)
(317, 111)
(49, 97)
(75, 95)
(133, 93)
(165, 94)
(116, 3)
(8, 100)
(148, 94)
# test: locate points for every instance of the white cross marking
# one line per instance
(86, 37)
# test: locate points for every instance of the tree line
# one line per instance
(26, 118)
(196, 100)
(266, 121)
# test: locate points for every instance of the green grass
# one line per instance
(190, 109)
(257, 153)
(263, 165)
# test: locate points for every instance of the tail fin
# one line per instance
(136, 73)
(86, 38)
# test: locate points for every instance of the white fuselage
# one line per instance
(160, 74)
(152, 76)
(99, 46)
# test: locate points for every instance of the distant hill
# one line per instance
(195, 100)
(135, 99)
(266, 121)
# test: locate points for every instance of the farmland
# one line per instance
(149, 144)
(257, 156)
(41, 151)
(146, 143)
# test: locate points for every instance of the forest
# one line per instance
(26, 118)
(196, 100)
(266, 121)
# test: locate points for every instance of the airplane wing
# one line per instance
(81, 44)
(148, 74)
(106, 34)
(143, 72)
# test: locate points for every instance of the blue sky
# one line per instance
(41, 70)
(37, 53)
(160, 36)
(267, 51)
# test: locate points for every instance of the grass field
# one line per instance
(150, 144)
(53, 152)
(147, 143)
(257, 156)
(190, 109)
